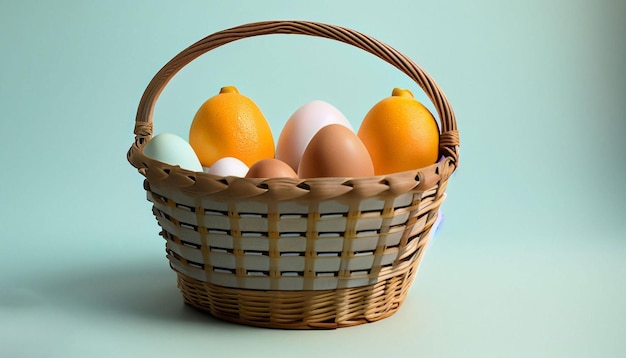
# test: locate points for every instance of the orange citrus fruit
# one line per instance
(400, 134)
(230, 125)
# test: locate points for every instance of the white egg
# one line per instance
(303, 124)
(173, 150)
(229, 166)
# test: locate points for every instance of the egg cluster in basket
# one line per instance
(229, 136)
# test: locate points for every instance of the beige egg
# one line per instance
(335, 151)
(271, 168)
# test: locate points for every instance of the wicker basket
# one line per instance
(295, 253)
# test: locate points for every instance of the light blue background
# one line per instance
(530, 261)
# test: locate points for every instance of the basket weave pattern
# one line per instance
(291, 246)
(295, 253)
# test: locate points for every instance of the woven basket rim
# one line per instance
(209, 185)
(201, 184)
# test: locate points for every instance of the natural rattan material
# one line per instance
(295, 253)
(301, 309)
(292, 246)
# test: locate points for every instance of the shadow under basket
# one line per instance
(292, 253)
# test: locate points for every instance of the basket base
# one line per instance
(328, 309)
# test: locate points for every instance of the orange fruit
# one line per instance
(230, 125)
(400, 134)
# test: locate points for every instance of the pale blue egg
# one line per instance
(173, 150)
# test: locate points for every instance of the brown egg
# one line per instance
(271, 168)
(335, 151)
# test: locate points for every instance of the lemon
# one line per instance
(400, 134)
(230, 124)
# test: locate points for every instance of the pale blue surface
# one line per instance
(530, 261)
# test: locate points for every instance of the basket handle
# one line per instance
(449, 138)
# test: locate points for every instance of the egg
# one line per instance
(303, 124)
(173, 150)
(271, 168)
(335, 151)
(228, 166)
